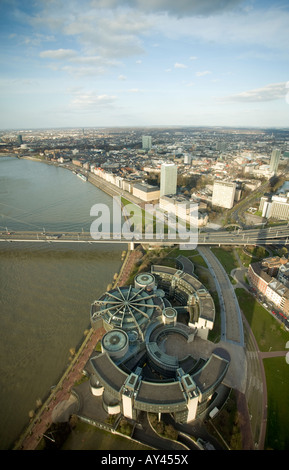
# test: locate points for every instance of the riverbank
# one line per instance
(97, 181)
(61, 394)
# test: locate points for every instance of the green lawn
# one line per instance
(226, 257)
(269, 333)
(271, 336)
(277, 377)
(87, 437)
(193, 256)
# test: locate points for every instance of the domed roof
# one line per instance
(128, 308)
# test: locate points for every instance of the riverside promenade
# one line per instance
(33, 434)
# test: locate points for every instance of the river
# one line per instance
(45, 289)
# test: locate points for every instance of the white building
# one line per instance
(276, 207)
(274, 162)
(224, 194)
(183, 209)
(146, 192)
(169, 174)
(146, 142)
(275, 292)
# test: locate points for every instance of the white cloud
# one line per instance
(178, 8)
(122, 77)
(273, 91)
(201, 74)
(82, 71)
(180, 66)
(59, 54)
(110, 34)
(37, 39)
(266, 27)
(115, 27)
(77, 64)
(88, 100)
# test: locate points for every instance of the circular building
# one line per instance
(149, 360)
(115, 343)
(169, 316)
(128, 308)
(144, 280)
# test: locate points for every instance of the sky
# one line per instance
(109, 63)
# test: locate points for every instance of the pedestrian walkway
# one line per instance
(44, 418)
(62, 392)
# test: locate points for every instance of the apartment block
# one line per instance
(224, 194)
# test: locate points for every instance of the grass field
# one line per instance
(271, 336)
(87, 437)
(226, 257)
(277, 377)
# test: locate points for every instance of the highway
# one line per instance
(262, 236)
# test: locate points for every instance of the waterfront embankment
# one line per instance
(61, 393)
(95, 180)
(45, 289)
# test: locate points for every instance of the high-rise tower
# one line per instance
(274, 162)
(146, 142)
(169, 173)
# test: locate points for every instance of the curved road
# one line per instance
(232, 326)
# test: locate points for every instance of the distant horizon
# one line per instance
(138, 63)
(155, 126)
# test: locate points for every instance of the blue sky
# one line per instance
(144, 63)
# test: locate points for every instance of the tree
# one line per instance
(282, 251)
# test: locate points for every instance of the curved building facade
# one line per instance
(147, 363)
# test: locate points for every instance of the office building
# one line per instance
(150, 360)
(169, 175)
(146, 142)
(274, 161)
(181, 208)
(146, 192)
(275, 207)
(224, 194)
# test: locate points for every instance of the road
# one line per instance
(269, 236)
(232, 326)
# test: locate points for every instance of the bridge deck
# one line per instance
(271, 236)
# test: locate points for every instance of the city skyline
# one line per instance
(103, 63)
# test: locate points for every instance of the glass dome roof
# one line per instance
(128, 308)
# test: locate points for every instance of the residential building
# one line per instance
(264, 276)
(258, 278)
